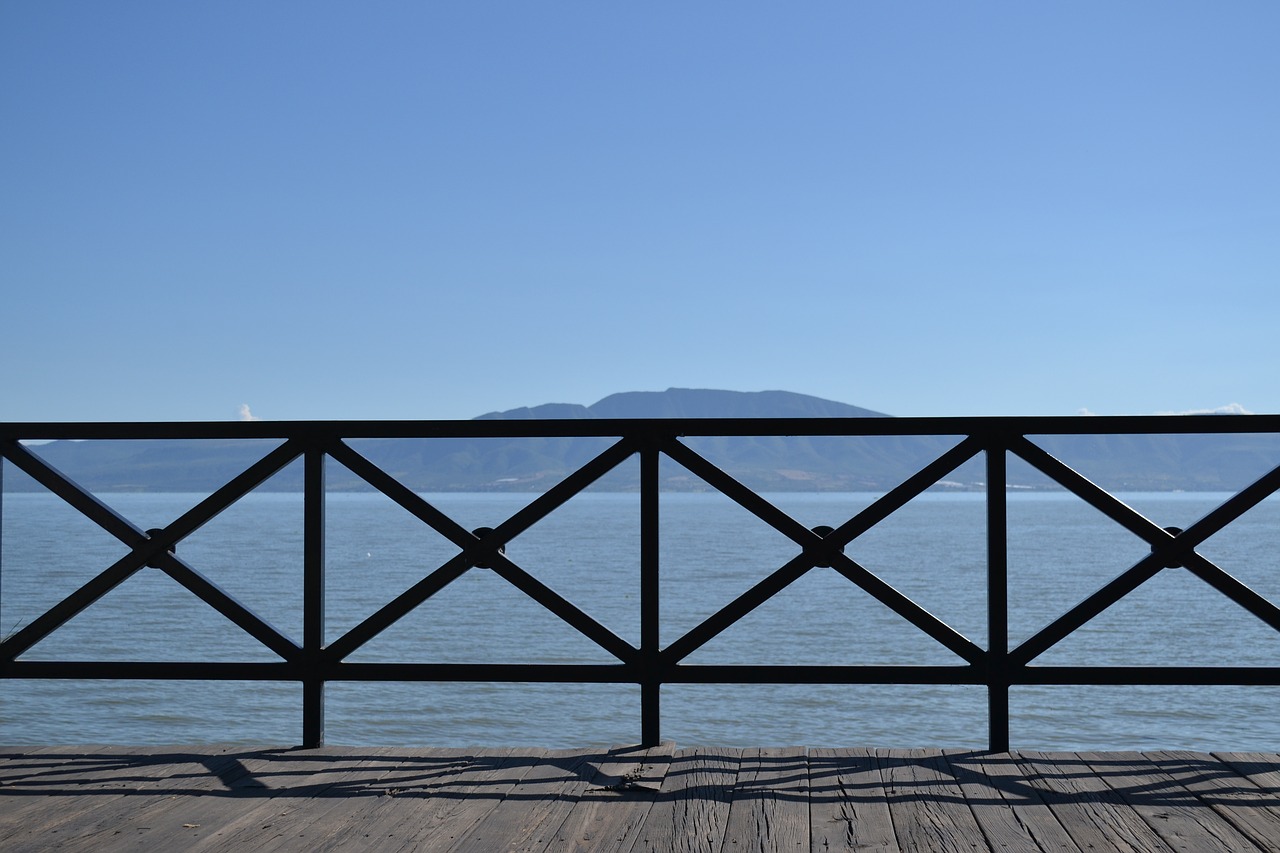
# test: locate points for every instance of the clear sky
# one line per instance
(438, 209)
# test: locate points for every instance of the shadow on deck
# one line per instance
(629, 798)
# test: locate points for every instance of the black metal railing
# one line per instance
(650, 665)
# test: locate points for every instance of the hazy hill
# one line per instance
(694, 403)
(766, 462)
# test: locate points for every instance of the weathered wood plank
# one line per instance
(86, 796)
(28, 779)
(608, 816)
(1012, 815)
(770, 808)
(928, 808)
(1176, 814)
(1261, 769)
(848, 809)
(1087, 808)
(528, 817)
(692, 809)
(439, 816)
(313, 804)
(507, 784)
(256, 806)
(1247, 807)
(214, 799)
(430, 813)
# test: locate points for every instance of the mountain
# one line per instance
(535, 463)
(694, 403)
(766, 462)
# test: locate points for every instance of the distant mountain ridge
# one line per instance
(765, 462)
(693, 403)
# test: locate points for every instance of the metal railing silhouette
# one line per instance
(313, 663)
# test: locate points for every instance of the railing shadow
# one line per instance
(1190, 780)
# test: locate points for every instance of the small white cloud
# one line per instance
(246, 415)
(1229, 409)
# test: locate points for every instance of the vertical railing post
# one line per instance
(313, 597)
(651, 675)
(997, 598)
(2, 628)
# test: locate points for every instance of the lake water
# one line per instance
(933, 550)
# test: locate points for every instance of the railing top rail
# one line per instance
(607, 427)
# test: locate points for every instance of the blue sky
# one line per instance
(434, 210)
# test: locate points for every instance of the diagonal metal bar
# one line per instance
(405, 602)
(213, 595)
(522, 520)
(1141, 572)
(792, 571)
(825, 547)
(554, 497)
(1084, 488)
(125, 568)
(818, 548)
(397, 608)
(476, 549)
(71, 492)
(144, 548)
(746, 497)
(909, 610)
(1234, 589)
(224, 496)
(1231, 509)
(1131, 519)
(537, 509)
(156, 544)
(408, 499)
(1110, 593)
(713, 625)
(58, 615)
(1134, 577)
(765, 589)
(124, 530)
(565, 609)
(882, 508)
(902, 494)
(199, 515)
(1165, 548)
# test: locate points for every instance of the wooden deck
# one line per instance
(630, 799)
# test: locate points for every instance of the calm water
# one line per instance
(932, 550)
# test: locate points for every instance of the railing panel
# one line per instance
(313, 663)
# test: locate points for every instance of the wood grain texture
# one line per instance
(848, 808)
(692, 809)
(1086, 805)
(632, 800)
(927, 804)
(770, 808)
